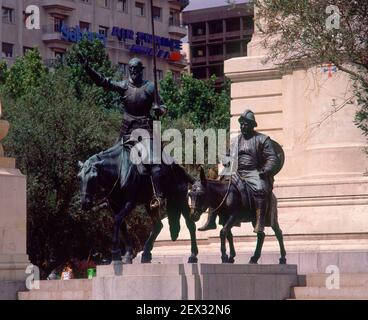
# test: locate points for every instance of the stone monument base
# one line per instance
(174, 282)
(194, 282)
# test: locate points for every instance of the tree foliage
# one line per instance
(50, 130)
(197, 101)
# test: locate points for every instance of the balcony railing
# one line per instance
(176, 27)
(175, 22)
(51, 28)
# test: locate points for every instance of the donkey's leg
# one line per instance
(260, 239)
(118, 220)
(192, 231)
(231, 245)
(280, 239)
(223, 235)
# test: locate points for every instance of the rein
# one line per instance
(223, 200)
(105, 202)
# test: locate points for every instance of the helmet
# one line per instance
(248, 116)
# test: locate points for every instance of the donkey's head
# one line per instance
(198, 200)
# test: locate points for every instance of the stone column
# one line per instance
(322, 189)
(13, 241)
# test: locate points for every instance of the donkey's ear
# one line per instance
(202, 176)
(80, 164)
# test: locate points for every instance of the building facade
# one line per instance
(216, 33)
(123, 25)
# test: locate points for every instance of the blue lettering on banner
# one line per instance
(76, 35)
(141, 38)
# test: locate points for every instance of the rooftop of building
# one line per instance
(205, 4)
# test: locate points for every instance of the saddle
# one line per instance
(128, 168)
(247, 202)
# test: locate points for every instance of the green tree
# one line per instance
(312, 32)
(197, 101)
(82, 83)
(26, 73)
(51, 130)
(193, 104)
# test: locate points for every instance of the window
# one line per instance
(25, 49)
(58, 22)
(122, 5)
(59, 55)
(84, 26)
(199, 29)
(156, 11)
(103, 30)
(7, 50)
(215, 26)
(160, 74)
(139, 9)
(218, 71)
(198, 52)
(233, 49)
(86, 1)
(174, 19)
(8, 15)
(104, 3)
(199, 73)
(248, 23)
(124, 69)
(232, 25)
(215, 49)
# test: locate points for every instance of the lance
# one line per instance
(154, 55)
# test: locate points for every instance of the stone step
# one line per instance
(346, 280)
(56, 295)
(75, 289)
(317, 293)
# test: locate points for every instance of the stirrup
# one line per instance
(155, 203)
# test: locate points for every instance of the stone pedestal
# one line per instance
(194, 282)
(13, 251)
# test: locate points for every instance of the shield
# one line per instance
(280, 156)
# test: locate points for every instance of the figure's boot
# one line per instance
(158, 200)
(210, 223)
(261, 206)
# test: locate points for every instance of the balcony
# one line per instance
(176, 28)
(62, 5)
(216, 57)
(183, 3)
(51, 35)
(199, 60)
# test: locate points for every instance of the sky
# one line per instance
(202, 4)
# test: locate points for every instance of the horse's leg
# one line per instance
(192, 231)
(257, 254)
(223, 235)
(280, 239)
(118, 220)
(230, 239)
(148, 246)
(128, 256)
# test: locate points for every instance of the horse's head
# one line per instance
(198, 202)
(88, 178)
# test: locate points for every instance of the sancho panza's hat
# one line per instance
(248, 116)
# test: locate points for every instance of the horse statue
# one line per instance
(232, 210)
(111, 176)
